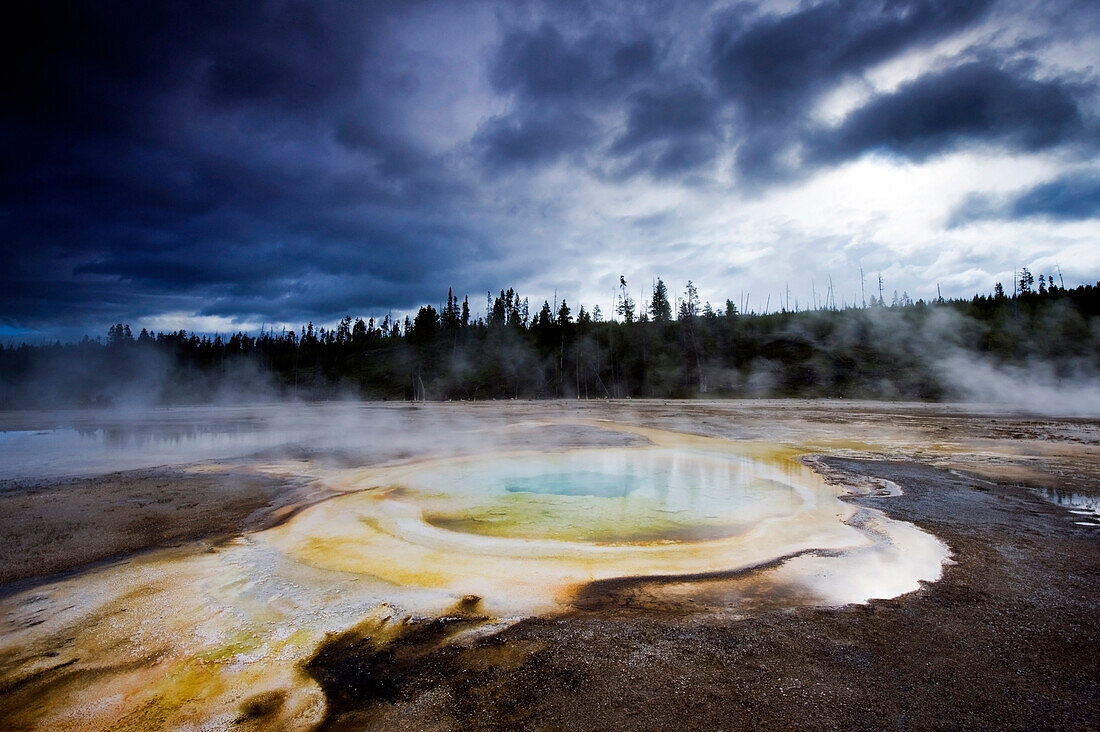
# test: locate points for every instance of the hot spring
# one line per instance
(177, 638)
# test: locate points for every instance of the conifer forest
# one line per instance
(668, 347)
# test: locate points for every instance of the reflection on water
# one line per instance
(610, 496)
(69, 451)
(93, 442)
(171, 641)
(575, 483)
(1084, 508)
(97, 444)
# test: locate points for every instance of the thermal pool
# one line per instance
(179, 638)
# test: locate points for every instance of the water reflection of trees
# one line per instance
(158, 433)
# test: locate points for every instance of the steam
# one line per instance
(926, 358)
(1035, 388)
(337, 435)
(135, 377)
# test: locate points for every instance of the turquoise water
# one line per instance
(632, 495)
(579, 483)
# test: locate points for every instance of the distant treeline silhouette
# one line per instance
(896, 350)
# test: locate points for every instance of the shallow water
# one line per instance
(81, 444)
(65, 451)
(1083, 508)
(609, 496)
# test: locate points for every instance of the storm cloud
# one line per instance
(774, 66)
(975, 103)
(281, 161)
(1071, 197)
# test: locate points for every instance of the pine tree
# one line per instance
(659, 308)
(626, 303)
(545, 318)
(626, 307)
(1026, 280)
(564, 314)
(689, 306)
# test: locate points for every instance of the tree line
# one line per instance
(885, 350)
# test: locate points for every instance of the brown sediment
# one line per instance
(26, 699)
(371, 662)
(262, 708)
(62, 525)
(696, 592)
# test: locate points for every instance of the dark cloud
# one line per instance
(668, 131)
(556, 85)
(289, 55)
(673, 156)
(759, 159)
(974, 207)
(973, 103)
(773, 67)
(540, 137)
(661, 114)
(1071, 197)
(543, 65)
(190, 152)
(276, 159)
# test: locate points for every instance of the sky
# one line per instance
(228, 165)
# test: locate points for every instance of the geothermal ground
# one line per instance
(562, 565)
